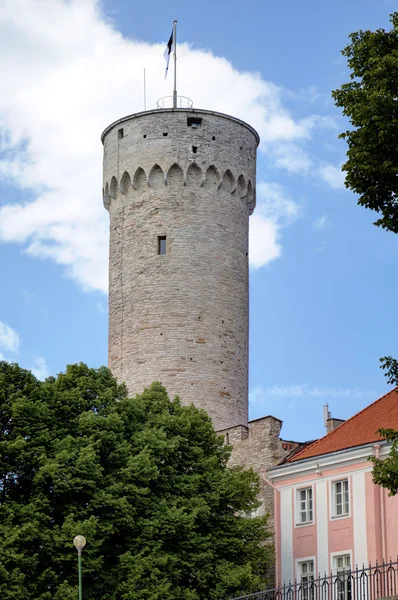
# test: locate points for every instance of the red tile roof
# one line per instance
(359, 430)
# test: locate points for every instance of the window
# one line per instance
(194, 122)
(306, 577)
(161, 244)
(304, 506)
(342, 568)
(340, 498)
(120, 133)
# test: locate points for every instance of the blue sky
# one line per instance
(323, 290)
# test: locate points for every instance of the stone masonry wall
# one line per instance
(258, 446)
(181, 318)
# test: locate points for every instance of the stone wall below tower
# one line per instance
(259, 446)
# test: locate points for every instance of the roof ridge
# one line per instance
(307, 448)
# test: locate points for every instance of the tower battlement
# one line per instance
(179, 186)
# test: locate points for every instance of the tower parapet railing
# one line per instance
(167, 102)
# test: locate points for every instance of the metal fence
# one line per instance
(366, 583)
(168, 101)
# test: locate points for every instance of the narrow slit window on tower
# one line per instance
(161, 244)
(120, 133)
(194, 149)
(194, 122)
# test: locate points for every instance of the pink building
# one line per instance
(329, 515)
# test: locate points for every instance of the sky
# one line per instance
(323, 285)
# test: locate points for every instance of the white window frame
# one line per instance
(333, 557)
(333, 483)
(299, 561)
(298, 523)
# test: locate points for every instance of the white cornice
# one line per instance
(327, 461)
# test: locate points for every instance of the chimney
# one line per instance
(330, 422)
(333, 424)
(326, 416)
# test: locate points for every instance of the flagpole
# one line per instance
(175, 63)
(144, 91)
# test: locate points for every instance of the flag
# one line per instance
(167, 52)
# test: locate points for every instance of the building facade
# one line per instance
(329, 515)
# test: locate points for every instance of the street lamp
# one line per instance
(79, 542)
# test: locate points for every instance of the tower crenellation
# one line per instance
(179, 186)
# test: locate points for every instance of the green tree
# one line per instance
(370, 101)
(385, 472)
(144, 479)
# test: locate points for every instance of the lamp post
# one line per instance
(79, 542)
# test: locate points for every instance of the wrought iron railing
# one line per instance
(167, 102)
(366, 583)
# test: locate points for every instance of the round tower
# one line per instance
(179, 186)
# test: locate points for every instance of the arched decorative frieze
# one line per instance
(125, 183)
(241, 187)
(252, 203)
(156, 178)
(228, 182)
(113, 187)
(175, 176)
(106, 197)
(250, 198)
(194, 175)
(212, 178)
(139, 179)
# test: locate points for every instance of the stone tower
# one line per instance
(179, 185)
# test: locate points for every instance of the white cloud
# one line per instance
(323, 222)
(333, 176)
(9, 339)
(10, 343)
(274, 211)
(292, 158)
(69, 74)
(289, 403)
(263, 241)
(40, 368)
(260, 395)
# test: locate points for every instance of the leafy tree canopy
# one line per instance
(145, 480)
(385, 472)
(390, 366)
(370, 101)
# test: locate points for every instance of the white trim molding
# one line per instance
(332, 482)
(305, 559)
(334, 555)
(297, 501)
(315, 465)
(322, 528)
